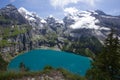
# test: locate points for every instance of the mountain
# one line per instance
(39, 24)
(79, 32)
(32, 18)
(94, 23)
(10, 12)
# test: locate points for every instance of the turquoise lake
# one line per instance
(38, 59)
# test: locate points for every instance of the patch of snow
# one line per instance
(95, 13)
(23, 11)
(104, 28)
(98, 33)
(108, 16)
(31, 19)
(50, 16)
(43, 21)
(60, 21)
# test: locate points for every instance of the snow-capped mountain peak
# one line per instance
(50, 16)
(52, 19)
(84, 19)
(34, 20)
(75, 22)
(28, 15)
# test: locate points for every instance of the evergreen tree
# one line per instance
(22, 67)
(106, 65)
(3, 64)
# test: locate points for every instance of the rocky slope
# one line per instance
(91, 23)
(52, 75)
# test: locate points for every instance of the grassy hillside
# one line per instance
(47, 74)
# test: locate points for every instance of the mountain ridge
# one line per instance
(78, 32)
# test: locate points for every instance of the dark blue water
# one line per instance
(38, 59)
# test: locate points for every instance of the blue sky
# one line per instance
(45, 8)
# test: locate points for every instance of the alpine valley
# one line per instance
(81, 32)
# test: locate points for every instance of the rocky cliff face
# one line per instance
(15, 32)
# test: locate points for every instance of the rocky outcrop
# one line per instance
(18, 44)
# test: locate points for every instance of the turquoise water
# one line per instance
(38, 59)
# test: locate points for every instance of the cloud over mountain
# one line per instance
(63, 3)
(70, 10)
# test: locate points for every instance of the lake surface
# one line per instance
(38, 59)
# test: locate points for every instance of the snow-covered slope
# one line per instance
(32, 18)
(26, 14)
(84, 19)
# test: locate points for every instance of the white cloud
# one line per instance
(71, 10)
(63, 3)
